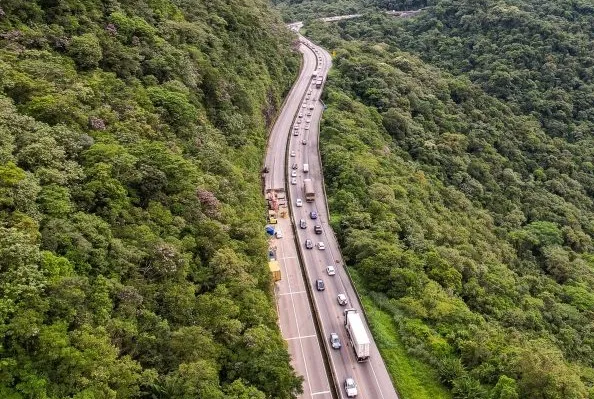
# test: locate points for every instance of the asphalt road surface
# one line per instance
(295, 316)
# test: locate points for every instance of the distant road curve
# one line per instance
(296, 26)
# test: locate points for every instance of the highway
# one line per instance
(295, 316)
(293, 306)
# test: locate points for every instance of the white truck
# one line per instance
(357, 334)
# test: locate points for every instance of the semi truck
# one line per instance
(357, 334)
(308, 190)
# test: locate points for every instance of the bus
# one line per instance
(308, 190)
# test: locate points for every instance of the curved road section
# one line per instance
(293, 157)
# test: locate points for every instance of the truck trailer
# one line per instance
(308, 190)
(357, 334)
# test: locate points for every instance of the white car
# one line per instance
(350, 386)
(293, 180)
(304, 105)
(300, 114)
(321, 245)
(330, 270)
(308, 113)
(293, 173)
(298, 121)
(278, 233)
(342, 299)
(292, 153)
(299, 202)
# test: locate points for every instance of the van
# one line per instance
(278, 233)
(305, 167)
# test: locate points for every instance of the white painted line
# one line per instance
(288, 257)
(291, 293)
(320, 393)
(305, 336)
(308, 381)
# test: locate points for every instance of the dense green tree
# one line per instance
(132, 254)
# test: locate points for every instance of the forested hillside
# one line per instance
(467, 215)
(132, 254)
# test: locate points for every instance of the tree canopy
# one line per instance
(466, 215)
(132, 253)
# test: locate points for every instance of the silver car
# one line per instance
(335, 341)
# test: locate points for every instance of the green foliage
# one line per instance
(132, 254)
(464, 220)
(85, 50)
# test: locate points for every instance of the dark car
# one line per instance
(309, 244)
(313, 215)
(294, 166)
(320, 285)
(318, 229)
(303, 224)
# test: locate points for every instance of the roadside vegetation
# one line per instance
(132, 251)
(467, 218)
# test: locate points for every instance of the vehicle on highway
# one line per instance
(303, 224)
(311, 106)
(307, 120)
(320, 285)
(330, 270)
(299, 202)
(300, 114)
(342, 299)
(335, 341)
(266, 169)
(304, 105)
(350, 386)
(307, 126)
(318, 229)
(278, 233)
(321, 245)
(293, 180)
(308, 113)
(309, 91)
(313, 215)
(308, 190)
(295, 132)
(294, 166)
(298, 121)
(293, 173)
(304, 142)
(292, 153)
(309, 244)
(357, 334)
(305, 167)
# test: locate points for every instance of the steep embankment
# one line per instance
(464, 219)
(132, 258)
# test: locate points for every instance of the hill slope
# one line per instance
(467, 219)
(132, 256)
